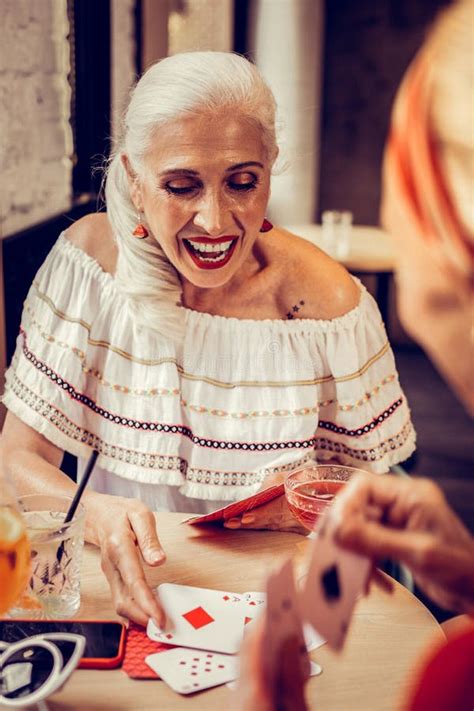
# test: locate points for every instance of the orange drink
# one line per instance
(14, 557)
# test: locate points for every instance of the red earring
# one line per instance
(266, 226)
(140, 231)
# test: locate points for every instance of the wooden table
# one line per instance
(387, 635)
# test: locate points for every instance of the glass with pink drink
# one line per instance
(310, 490)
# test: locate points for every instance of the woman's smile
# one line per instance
(211, 253)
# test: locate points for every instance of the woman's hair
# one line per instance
(176, 87)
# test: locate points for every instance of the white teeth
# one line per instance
(208, 247)
(213, 259)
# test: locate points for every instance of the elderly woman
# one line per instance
(196, 347)
(428, 207)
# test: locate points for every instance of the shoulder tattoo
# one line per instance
(294, 310)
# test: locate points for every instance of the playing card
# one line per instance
(238, 508)
(282, 624)
(199, 618)
(254, 604)
(335, 579)
(190, 670)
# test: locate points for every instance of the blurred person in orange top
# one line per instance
(428, 207)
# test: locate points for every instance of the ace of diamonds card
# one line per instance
(199, 618)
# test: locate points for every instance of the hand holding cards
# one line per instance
(238, 508)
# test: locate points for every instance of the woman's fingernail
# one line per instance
(157, 623)
(232, 523)
(156, 556)
(248, 518)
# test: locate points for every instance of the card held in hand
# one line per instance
(238, 508)
(254, 605)
(335, 579)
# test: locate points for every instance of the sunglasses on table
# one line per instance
(35, 667)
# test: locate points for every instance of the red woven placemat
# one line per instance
(137, 647)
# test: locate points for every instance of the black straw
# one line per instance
(80, 489)
(77, 497)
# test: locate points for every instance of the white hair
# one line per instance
(182, 85)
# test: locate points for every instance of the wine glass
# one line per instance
(311, 489)
(14, 548)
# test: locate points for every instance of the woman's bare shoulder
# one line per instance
(312, 284)
(93, 234)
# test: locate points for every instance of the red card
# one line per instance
(239, 507)
(137, 647)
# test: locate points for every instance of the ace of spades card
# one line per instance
(335, 580)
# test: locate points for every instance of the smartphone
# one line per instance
(105, 639)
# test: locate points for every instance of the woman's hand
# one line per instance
(409, 521)
(125, 531)
(254, 690)
(275, 515)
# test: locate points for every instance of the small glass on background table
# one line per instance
(310, 490)
(337, 232)
(56, 556)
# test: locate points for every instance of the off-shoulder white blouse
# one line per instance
(188, 427)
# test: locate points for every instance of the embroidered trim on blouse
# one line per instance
(365, 428)
(187, 431)
(206, 476)
(213, 381)
(202, 409)
(92, 341)
(371, 454)
(145, 460)
(156, 461)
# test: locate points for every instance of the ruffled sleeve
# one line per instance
(48, 375)
(364, 418)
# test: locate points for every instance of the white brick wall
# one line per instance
(35, 135)
(123, 58)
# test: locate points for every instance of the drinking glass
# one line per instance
(310, 490)
(336, 232)
(56, 556)
(14, 548)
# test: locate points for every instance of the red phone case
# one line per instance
(105, 662)
(92, 662)
(239, 507)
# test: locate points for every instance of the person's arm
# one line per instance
(124, 529)
(410, 521)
